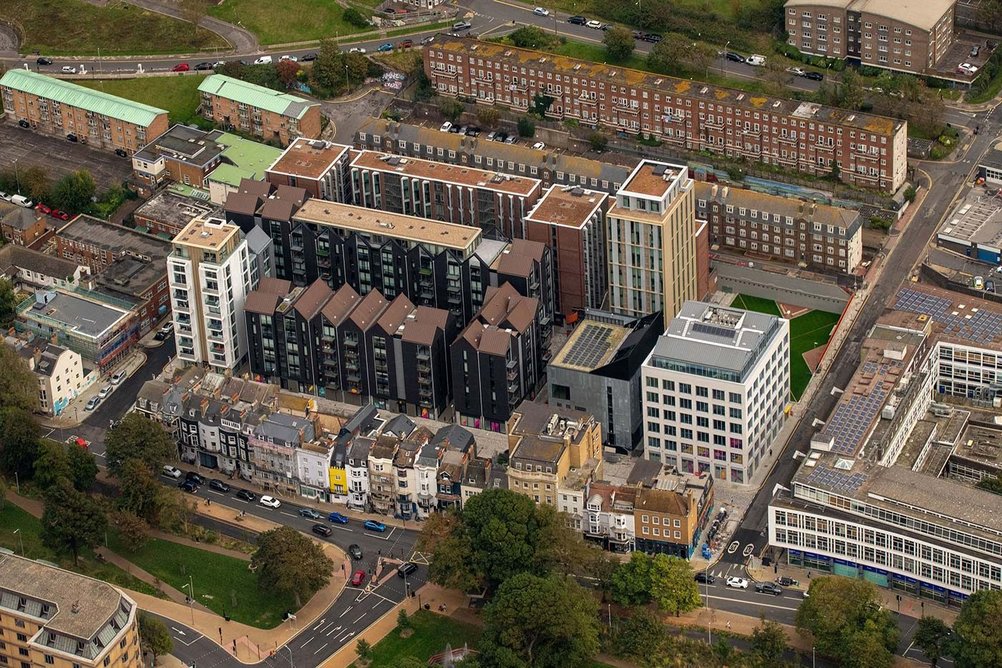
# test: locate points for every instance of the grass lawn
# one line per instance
(807, 332)
(285, 22)
(177, 94)
(28, 528)
(222, 583)
(431, 634)
(75, 27)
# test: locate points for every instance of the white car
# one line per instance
(539, 146)
(541, 11)
(356, 49)
(756, 60)
(172, 472)
(69, 69)
(21, 200)
(118, 377)
(263, 60)
(4, 196)
(445, 127)
(105, 391)
(737, 583)
(292, 58)
(270, 502)
(797, 71)
(967, 67)
(597, 25)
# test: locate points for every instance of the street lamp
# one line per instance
(723, 57)
(291, 664)
(191, 597)
(706, 589)
(20, 538)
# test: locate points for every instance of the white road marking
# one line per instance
(333, 631)
(320, 623)
(360, 618)
(312, 638)
(346, 611)
(746, 601)
(320, 650)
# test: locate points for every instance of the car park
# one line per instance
(814, 76)
(734, 57)
(446, 127)
(105, 391)
(181, 67)
(501, 136)
(42, 60)
(310, 513)
(118, 377)
(705, 578)
(171, 471)
(768, 588)
(263, 60)
(337, 518)
(321, 530)
(383, 48)
(203, 66)
(968, 68)
(406, 568)
(270, 502)
(511, 139)
(245, 495)
(69, 69)
(357, 578)
(975, 50)
(219, 486)
(373, 525)
(194, 477)
(188, 486)
(355, 552)
(541, 11)
(737, 583)
(577, 20)
(787, 582)
(92, 403)
(462, 25)
(472, 131)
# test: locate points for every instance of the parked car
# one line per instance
(356, 49)
(21, 200)
(541, 11)
(270, 502)
(787, 582)
(472, 131)
(705, 578)
(203, 66)
(42, 60)
(462, 25)
(975, 50)
(61, 215)
(968, 68)
(263, 60)
(769, 588)
(737, 583)
(814, 76)
(23, 123)
(355, 552)
(92, 403)
(539, 146)
(796, 71)
(188, 486)
(577, 20)
(756, 60)
(511, 139)
(734, 57)
(121, 153)
(594, 25)
(652, 37)
(42, 208)
(501, 136)
(71, 137)
(406, 568)
(245, 495)
(383, 48)
(321, 530)
(118, 377)
(373, 525)
(181, 67)
(446, 127)
(405, 44)
(194, 477)
(69, 69)
(4, 196)
(337, 518)
(164, 332)
(310, 513)
(491, 135)
(428, 40)
(171, 471)
(105, 391)
(308, 57)
(292, 58)
(357, 578)
(219, 486)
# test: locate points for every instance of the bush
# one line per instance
(526, 128)
(355, 18)
(910, 194)
(880, 223)
(598, 141)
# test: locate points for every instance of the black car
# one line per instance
(769, 588)
(814, 76)
(194, 477)
(71, 137)
(786, 582)
(577, 20)
(121, 153)
(734, 57)
(355, 551)
(321, 530)
(705, 578)
(652, 38)
(472, 131)
(244, 495)
(203, 66)
(188, 486)
(24, 124)
(42, 60)
(406, 568)
(219, 486)
(308, 57)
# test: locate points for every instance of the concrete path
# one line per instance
(241, 40)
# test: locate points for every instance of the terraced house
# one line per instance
(271, 115)
(868, 150)
(63, 109)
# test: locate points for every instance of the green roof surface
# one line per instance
(247, 154)
(69, 93)
(255, 96)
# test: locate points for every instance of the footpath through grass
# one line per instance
(28, 536)
(177, 94)
(286, 22)
(222, 583)
(75, 27)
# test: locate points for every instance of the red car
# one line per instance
(180, 67)
(61, 215)
(42, 208)
(358, 578)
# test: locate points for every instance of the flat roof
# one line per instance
(591, 345)
(395, 225)
(77, 314)
(976, 219)
(249, 157)
(919, 13)
(653, 179)
(117, 239)
(955, 316)
(72, 95)
(183, 143)
(174, 209)
(447, 173)
(982, 444)
(659, 83)
(567, 206)
(256, 96)
(308, 158)
(537, 449)
(209, 233)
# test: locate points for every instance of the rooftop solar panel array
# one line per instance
(853, 416)
(590, 347)
(976, 325)
(835, 480)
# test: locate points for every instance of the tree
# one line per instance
(34, 183)
(598, 141)
(668, 55)
(138, 490)
(531, 37)
(910, 194)
(135, 437)
(488, 116)
(288, 71)
(18, 386)
(673, 587)
(355, 18)
(403, 621)
(526, 128)
(545, 622)
(768, 642)
(451, 109)
(8, 304)
(850, 93)
(51, 464)
(74, 191)
(154, 636)
(989, 484)
(640, 636)
(327, 71)
(83, 467)
(132, 529)
(619, 43)
(290, 564)
(18, 441)
(932, 636)
(977, 642)
(631, 581)
(363, 648)
(844, 617)
(71, 520)
(358, 67)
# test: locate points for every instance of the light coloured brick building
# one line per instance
(271, 115)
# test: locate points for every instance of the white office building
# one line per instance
(715, 388)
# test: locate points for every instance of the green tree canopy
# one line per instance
(619, 43)
(631, 581)
(83, 467)
(154, 636)
(640, 636)
(526, 128)
(673, 587)
(74, 191)
(8, 306)
(135, 437)
(977, 637)
(932, 636)
(18, 441)
(290, 564)
(768, 642)
(51, 464)
(71, 520)
(542, 622)
(532, 37)
(18, 386)
(668, 55)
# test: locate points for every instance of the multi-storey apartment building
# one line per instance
(715, 388)
(274, 443)
(63, 109)
(52, 617)
(869, 150)
(318, 167)
(209, 272)
(60, 374)
(262, 112)
(651, 234)
(609, 518)
(904, 36)
(167, 212)
(183, 154)
(670, 515)
(810, 234)
(498, 359)
(494, 202)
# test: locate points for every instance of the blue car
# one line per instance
(385, 47)
(338, 518)
(373, 525)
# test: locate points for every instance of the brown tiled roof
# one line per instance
(278, 209)
(504, 306)
(260, 188)
(494, 341)
(242, 203)
(262, 303)
(313, 299)
(661, 501)
(518, 260)
(275, 286)
(422, 325)
(341, 305)
(395, 314)
(292, 194)
(367, 313)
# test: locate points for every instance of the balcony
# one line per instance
(512, 374)
(423, 354)
(513, 387)
(512, 363)
(423, 368)
(426, 271)
(351, 343)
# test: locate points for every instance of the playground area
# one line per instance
(809, 334)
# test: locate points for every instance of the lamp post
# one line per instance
(20, 539)
(706, 590)
(723, 57)
(191, 597)
(286, 647)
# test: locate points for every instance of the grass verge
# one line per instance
(28, 538)
(431, 634)
(286, 22)
(177, 94)
(75, 27)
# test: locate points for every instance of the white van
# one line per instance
(756, 60)
(263, 60)
(21, 200)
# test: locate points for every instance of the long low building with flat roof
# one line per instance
(63, 109)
